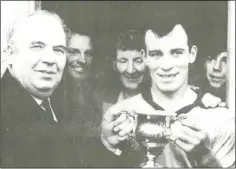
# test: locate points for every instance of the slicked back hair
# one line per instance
(12, 31)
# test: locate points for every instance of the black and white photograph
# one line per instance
(118, 84)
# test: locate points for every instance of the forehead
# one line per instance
(44, 28)
(177, 38)
(222, 55)
(128, 54)
(219, 56)
(80, 42)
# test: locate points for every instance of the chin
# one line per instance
(79, 76)
(131, 86)
(217, 86)
(43, 93)
(167, 88)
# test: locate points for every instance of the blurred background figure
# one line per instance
(79, 85)
(214, 64)
(80, 97)
(216, 73)
(80, 56)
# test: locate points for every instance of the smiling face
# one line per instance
(216, 70)
(39, 57)
(168, 59)
(130, 66)
(80, 56)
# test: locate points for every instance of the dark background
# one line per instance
(104, 19)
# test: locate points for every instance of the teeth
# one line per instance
(166, 76)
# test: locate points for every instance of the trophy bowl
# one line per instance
(151, 132)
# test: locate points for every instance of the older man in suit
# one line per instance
(32, 131)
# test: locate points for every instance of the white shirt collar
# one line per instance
(39, 102)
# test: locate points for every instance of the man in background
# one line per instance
(128, 66)
(81, 97)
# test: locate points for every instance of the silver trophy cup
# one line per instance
(152, 131)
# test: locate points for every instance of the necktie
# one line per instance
(47, 115)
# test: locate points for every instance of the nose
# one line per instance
(166, 63)
(130, 68)
(81, 58)
(217, 65)
(49, 58)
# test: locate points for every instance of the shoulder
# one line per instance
(213, 118)
(221, 113)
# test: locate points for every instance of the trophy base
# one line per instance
(148, 164)
(150, 161)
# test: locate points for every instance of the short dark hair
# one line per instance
(73, 33)
(130, 39)
(215, 44)
(165, 23)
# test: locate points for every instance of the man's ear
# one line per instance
(143, 54)
(193, 54)
(114, 65)
(9, 51)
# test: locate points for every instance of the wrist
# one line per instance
(209, 160)
(110, 147)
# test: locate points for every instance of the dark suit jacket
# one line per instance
(29, 141)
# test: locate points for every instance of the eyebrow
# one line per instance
(64, 48)
(154, 51)
(37, 43)
(61, 46)
(41, 43)
(177, 49)
(88, 51)
(73, 50)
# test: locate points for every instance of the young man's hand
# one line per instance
(190, 136)
(116, 127)
(211, 101)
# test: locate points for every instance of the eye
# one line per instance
(139, 60)
(122, 60)
(177, 53)
(155, 54)
(37, 47)
(224, 60)
(59, 51)
(88, 54)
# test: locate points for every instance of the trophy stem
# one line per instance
(150, 163)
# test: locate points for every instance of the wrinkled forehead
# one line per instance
(44, 28)
(128, 54)
(80, 42)
(176, 38)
